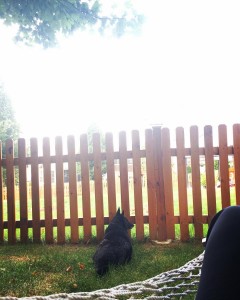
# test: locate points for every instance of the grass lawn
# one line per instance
(28, 270)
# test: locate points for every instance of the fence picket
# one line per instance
(168, 184)
(111, 185)
(196, 182)
(60, 190)
(35, 190)
(151, 185)
(210, 176)
(98, 185)
(47, 191)
(236, 147)
(182, 184)
(73, 189)
(137, 184)
(1, 197)
(160, 193)
(23, 190)
(10, 192)
(223, 165)
(124, 184)
(85, 188)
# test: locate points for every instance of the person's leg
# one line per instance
(220, 274)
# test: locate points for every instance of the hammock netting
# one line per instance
(179, 283)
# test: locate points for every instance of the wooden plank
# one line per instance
(182, 184)
(137, 185)
(236, 149)
(11, 214)
(98, 185)
(123, 162)
(223, 165)
(160, 193)
(23, 190)
(47, 191)
(168, 183)
(60, 191)
(73, 189)
(106, 221)
(111, 184)
(35, 190)
(196, 182)
(151, 184)
(85, 188)
(116, 155)
(1, 197)
(210, 176)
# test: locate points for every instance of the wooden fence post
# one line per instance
(151, 185)
(123, 163)
(23, 190)
(223, 165)
(87, 226)
(1, 197)
(35, 191)
(160, 194)
(210, 176)
(236, 150)
(111, 184)
(196, 182)
(182, 184)
(73, 189)
(98, 185)
(47, 191)
(168, 183)
(137, 184)
(60, 191)
(10, 191)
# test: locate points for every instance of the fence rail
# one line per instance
(157, 180)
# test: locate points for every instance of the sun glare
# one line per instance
(183, 69)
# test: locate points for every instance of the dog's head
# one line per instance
(120, 218)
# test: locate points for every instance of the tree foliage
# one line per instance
(91, 130)
(39, 21)
(9, 127)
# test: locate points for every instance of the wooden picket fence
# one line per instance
(155, 191)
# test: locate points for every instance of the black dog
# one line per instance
(116, 247)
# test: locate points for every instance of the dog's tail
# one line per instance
(101, 262)
(101, 267)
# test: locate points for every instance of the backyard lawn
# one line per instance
(31, 269)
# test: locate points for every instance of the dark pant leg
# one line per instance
(220, 275)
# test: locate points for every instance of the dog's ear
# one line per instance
(123, 212)
(118, 211)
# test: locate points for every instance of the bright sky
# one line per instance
(183, 70)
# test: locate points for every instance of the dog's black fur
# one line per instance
(116, 247)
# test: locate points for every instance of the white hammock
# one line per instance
(179, 283)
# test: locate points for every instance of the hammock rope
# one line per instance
(175, 284)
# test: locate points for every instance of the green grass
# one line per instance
(28, 270)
